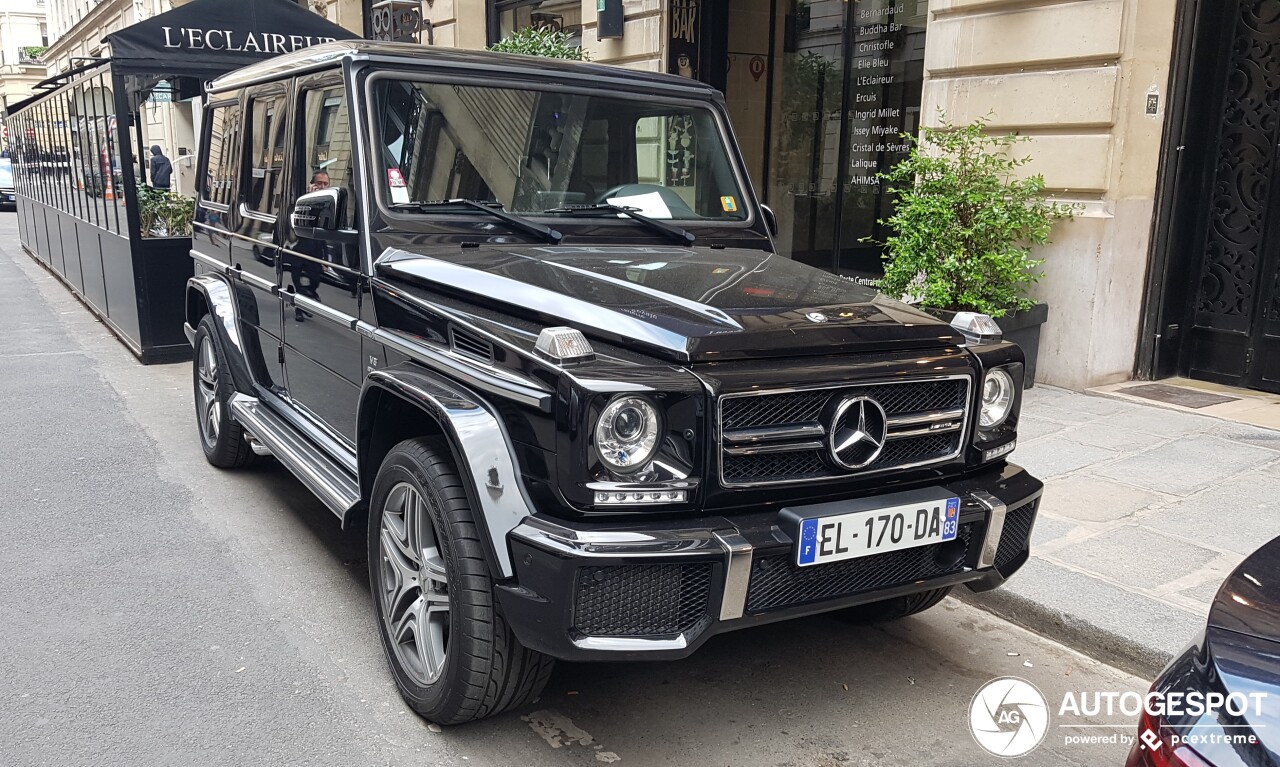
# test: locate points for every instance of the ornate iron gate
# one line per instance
(1233, 335)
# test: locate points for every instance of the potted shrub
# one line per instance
(963, 228)
(164, 214)
(541, 41)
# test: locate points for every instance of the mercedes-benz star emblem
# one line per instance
(816, 317)
(858, 432)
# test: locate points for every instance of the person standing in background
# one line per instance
(161, 169)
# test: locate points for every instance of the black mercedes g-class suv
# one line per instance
(523, 320)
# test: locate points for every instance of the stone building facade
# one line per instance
(1171, 269)
(818, 88)
(24, 33)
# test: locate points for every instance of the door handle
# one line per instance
(320, 310)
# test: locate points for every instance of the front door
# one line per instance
(322, 280)
(1233, 317)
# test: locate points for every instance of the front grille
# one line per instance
(776, 581)
(1017, 529)
(900, 452)
(773, 409)
(806, 462)
(642, 600)
(785, 467)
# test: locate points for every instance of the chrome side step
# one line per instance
(321, 474)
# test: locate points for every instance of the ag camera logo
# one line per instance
(1009, 717)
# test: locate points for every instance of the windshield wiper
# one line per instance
(674, 232)
(493, 209)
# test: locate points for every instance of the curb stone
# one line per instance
(1098, 643)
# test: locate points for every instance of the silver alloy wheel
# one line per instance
(413, 585)
(208, 405)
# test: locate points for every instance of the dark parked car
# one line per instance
(8, 197)
(1237, 662)
(523, 319)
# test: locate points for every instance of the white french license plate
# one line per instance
(863, 533)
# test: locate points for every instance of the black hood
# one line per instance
(681, 304)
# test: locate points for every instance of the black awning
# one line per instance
(207, 38)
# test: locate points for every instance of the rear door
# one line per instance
(255, 218)
(323, 283)
(223, 239)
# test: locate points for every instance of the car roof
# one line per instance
(487, 63)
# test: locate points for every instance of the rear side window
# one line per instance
(220, 163)
(266, 154)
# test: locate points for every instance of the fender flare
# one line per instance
(220, 297)
(480, 444)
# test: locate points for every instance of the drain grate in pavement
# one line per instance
(1178, 395)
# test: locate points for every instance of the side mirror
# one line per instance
(318, 216)
(770, 220)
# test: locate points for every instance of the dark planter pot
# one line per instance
(1022, 328)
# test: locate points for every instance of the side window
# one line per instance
(327, 145)
(220, 157)
(268, 117)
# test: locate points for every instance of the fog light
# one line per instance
(646, 498)
(998, 452)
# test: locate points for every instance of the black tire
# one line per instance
(224, 441)
(485, 670)
(894, 609)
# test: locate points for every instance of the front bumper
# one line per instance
(659, 590)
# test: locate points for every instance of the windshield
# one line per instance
(533, 151)
(6, 174)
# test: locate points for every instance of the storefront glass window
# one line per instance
(819, 92)
(513, 15)
(886, 75)
(803, 174)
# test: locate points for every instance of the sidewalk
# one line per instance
(1145, 512)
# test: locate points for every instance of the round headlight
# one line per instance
(627, 434)
(997, 398)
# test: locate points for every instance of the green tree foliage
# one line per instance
(964, 222)
(541, 42)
